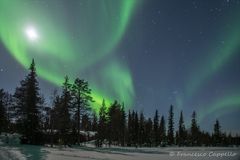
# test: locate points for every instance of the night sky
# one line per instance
(148, 54)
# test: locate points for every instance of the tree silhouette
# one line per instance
(141, 130)
(149, 132)
(181, 130)
(156, 128)
(170, 126)
(194, 130)
(62, 107)
(217, 135)
(28, 104)
(136, 129)
(102, 125)
(25, 113)
(81, 97)
(122, 125)
(162, 130)
(130, 128)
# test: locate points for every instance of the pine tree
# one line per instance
(170, 126)
(194, 130)
(28, 104)
(136, 129)
(102, 125)
(156, 128)
(122, 126)
(34, 102)
(149, 132)
(141, 130)
(63, 105)
(181, 130)
(130, 129)
(217, 135)
(81, 97)
(162, 130)
(114, 123)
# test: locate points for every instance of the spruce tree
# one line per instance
(63, 105)
(114, 123)
(217, 135)
(102, 125)
(141, 130)
(149, 132)
(130, 129)
(136, 129)
(122, 125)
(194, 130)
(170, 126)
(110, 124)
(162, 131)
(181, 130)
(28, 104)
(156, 128)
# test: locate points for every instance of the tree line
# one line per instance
(70, 114)
(134, 129)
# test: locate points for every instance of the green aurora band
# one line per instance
(221, 106)
(214, 64)
(69, 44)
(211, 66)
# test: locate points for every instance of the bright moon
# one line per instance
(31, 33)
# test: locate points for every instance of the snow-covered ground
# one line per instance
(25, 152)
(10, 149)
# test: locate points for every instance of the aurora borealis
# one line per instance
(146, 54)
(68, 43)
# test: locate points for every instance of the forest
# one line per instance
(69, 115)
